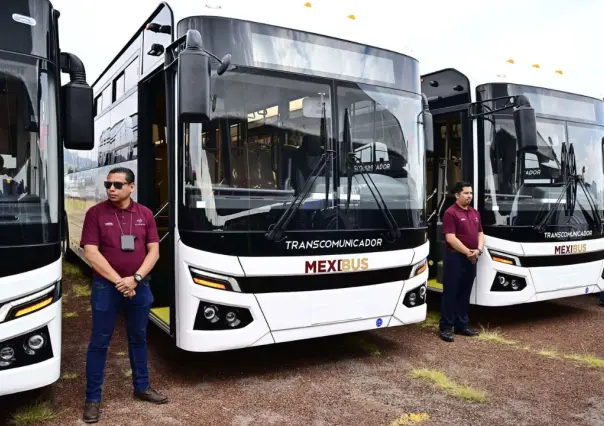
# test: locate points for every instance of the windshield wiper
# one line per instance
(351, 160)
(347, 141)
(327, 149)
(275, 231)
(551, 144)
(571, 181)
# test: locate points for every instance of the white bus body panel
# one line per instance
(543, 283)
(281, 317)
(46, 372)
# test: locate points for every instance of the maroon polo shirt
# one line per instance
(101, 229)
(464, 223)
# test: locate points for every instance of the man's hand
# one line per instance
(126, 285)
(473, 256)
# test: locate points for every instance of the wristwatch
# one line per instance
(138, 278)
(480, 251)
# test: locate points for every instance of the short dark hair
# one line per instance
(459, 186)
(126, 171)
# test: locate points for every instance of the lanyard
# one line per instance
(120, 225)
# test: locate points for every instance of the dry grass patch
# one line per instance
(587, 359)
(441, 380)
(494, 336)
(33, 414)
(81, 290)
(65, 296)
(410, 419)
(70, 314)
(548, 353)
(69, 376)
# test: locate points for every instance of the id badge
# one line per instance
(127, 242)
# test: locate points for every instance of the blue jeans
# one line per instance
(458, 277)
(106, 303)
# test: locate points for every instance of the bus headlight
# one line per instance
(418, 268)
(7, 353)
(28, 349)
(27, 305)
(213, 316)
(415, 297)
(211, 280)
(505, 258)
(7, 356)
(210, 313)
(412, 299)
(231, 319)
(36, 341)
(507, 282)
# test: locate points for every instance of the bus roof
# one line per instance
(328, 19)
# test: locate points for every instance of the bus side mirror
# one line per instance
(428, 129)
(525, 124)
(194, 80)
(77, 115)
(194, 73)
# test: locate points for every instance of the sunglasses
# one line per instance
(117, 185)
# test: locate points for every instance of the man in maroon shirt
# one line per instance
(464, 245)
(121, 244)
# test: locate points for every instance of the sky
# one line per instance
(561, 34)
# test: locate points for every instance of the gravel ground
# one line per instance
(357, 379)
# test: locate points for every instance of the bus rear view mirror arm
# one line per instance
(194, 72)
(77, 118)
(525, 121)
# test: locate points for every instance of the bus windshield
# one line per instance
(522, 188)
(246, 166)
(28, 151)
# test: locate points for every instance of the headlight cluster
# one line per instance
(507, 282)
(25, 350)
(213, 316)
(415, 297)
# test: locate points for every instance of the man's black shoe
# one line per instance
(92, 412)
(447, 336)
(150, 395)
(467, 332)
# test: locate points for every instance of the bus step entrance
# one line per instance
(161, 317)
(436, 283)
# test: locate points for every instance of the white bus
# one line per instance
(36, 116)
(247, 168)
(541, 201)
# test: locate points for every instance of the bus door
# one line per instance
(450, 163)
(154, 184)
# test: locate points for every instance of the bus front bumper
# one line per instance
(534, 284)
(282, 317)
